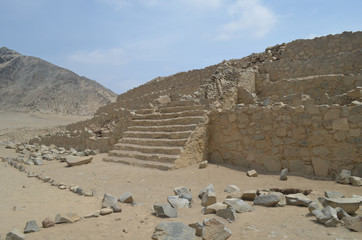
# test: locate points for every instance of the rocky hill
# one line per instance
(32, 84)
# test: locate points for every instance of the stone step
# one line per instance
(164, 128)
(140, 163)
(156, 157)
(145, 111)
(154, 142)
(157, 115)
(173, 121)
(148, 149)
(181, 103)
(157, 135)
(180, 108)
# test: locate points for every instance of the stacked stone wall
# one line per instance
(308, 140)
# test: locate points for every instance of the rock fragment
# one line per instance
(198, 227)
(353, 223)
(284, 174)
(66, 218)
(227, 213)
(203, 164)
(238, 205)
(173, 230)
(252, 173)
(15, 235)
(178, 202)
(214, 229)
(344, 176)
(165, 210)
(105, 211)
(46, 223)
(232, 189)
(298, 199)
(210, 187)
(213, 208)
(355, 181)
(126, 198)
(249, 195)
(31, 226)
(333, 194)
(183, 192)
(350, 205)
(93, 214)
(208, 198)
(108, 200)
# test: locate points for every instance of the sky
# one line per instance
(125, 43)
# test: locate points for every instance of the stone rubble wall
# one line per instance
(310, 140)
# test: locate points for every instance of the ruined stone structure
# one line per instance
(295, 106)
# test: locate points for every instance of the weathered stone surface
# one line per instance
(315, 205)
(214, 230)
(108, 201)
(203, 164)
(173, 231)
(31, 226)
(249, 195)
(350, 205)
(126, 198)
(298, 199)
(227, 213)
(353, 223)
(105, 211)
(210, 187)
(333, 194)
(198, 227)
(183, 192)
(344, 176)
(76, 161)
(165, 210)
(238, 205)
(208, 198)
(355, 181)
(38, 162)
(66, 218)
(178, 202)
(284, 174)
(15, 235)
(252, 173)
(340, 124)
(327, 216)
(232, 189)
(271, 200)
(341, 213)
(48, 223)
(213, 208)
(93, 214)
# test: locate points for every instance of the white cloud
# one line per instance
(248, 17)
(114, 57)
(203, 3)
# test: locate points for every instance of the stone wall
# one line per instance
(318, 140)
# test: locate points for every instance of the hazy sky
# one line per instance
(125, 43)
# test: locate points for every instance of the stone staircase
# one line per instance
(156, 137)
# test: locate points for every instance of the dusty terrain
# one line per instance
(24, 199)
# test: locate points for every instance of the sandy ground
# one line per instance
(24, 199)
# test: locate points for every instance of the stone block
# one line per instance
(320, 167)
(340, 124)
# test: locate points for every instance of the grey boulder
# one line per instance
(173, 231)
(31, 226)
(165, 210)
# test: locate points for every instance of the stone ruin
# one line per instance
(295, 106)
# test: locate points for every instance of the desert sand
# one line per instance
(24, 199)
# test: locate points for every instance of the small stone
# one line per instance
(332, 194)
(178, 202)
(48, 223)
(353, 223)
(108, 200)
(198, 227)
(46, 179)
(252, 173)
(203, 164)
(344, 176)
(66, 218)
(214, 229)
(355, 181)
(315, 205)
(116, 208)
(267, 200)
(209, 187)
(62, 186)
(165, 210)
(238, 205)
(38, 162)
(126, 198)
(208, 198)
(298, 199)
(31, 226)
(213, 208)
(232, 189)
(249, 195)
(183, 192)
(284, 174)
(173, 230)
(326, 216)
(88, 193)
(350, 205)
(15, 235)
(76, 161)
(94, 214)
(105, 211)
(227, 213)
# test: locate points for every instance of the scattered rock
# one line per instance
(214, 229)
(105, 211)
(15, 235)
(126, 198)
(183, 192)
(284, 174)
(38, 162)
(271, 200)
(353, 223)
(287, 191)
(62, 186)
(327, 216)
(165, 210)
(66, 218)
(298, 199)
(227, 213)
(203, 164)
(332, 194)
(213, 208)
(343, 177)
(108, 201)
(315, 205)
(252, 173)
(232, 189)
(341, 213)
(208, 198)
(249, 195)
(173, 231)
(355, 181)
(350, 205)
(94, 214)
(76, 161)
(198, 227)
(31, 226)
(238, 205)
(178, 202)
(209, 187)
(48, 223)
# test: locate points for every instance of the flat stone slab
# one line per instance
(350, 205)
(173, 231)
(66, 218)
(298, 199)
(76, 161)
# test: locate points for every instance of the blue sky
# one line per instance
(125, 43)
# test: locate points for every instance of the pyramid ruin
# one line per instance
(295, 106)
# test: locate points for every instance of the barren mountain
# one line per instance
(32, 84)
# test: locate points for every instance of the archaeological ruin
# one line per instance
(295, 106)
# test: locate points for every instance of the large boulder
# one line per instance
(173, 231)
